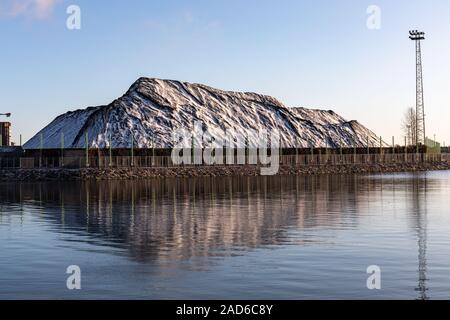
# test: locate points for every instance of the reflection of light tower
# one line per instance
(417, 36)
(420, 189)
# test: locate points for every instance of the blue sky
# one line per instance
(317, 54)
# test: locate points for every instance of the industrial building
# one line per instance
(5, 134)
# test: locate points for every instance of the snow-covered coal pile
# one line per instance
(152, 109)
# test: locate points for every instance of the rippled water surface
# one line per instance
(241, 238)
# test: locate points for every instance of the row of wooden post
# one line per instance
(132, 148)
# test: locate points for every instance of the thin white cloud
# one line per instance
(40, 9)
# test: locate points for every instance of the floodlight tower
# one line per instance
(418, 36)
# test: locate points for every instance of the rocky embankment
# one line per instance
(147, 173)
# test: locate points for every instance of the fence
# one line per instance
(165, 161)
(9, 162)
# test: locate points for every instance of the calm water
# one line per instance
(241, 238)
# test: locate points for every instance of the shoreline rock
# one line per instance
(210, 171)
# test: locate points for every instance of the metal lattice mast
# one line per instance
(418, 36)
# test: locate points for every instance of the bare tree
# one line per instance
(409, 126)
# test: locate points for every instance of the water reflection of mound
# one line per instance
(166, 220)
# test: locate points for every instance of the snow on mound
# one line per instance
(153, 108)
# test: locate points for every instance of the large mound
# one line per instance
(152, 109)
